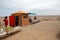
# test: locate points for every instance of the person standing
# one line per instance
(35, 18)
(6, 21)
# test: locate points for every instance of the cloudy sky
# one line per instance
(40, 7)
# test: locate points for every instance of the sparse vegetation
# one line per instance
(58, 19)
(46, 19)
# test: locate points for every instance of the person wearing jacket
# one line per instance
(6, 21)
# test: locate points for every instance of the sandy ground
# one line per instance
(44, 30)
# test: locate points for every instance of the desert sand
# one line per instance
(44, 30)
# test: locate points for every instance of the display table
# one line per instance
(2, 34)
(9, 33)
(35, 21)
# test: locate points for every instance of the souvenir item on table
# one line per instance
(1, 28)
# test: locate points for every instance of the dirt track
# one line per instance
(45, 30)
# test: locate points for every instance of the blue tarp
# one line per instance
(32, 13)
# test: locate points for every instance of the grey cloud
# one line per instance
(46, 11)
(42, 7)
